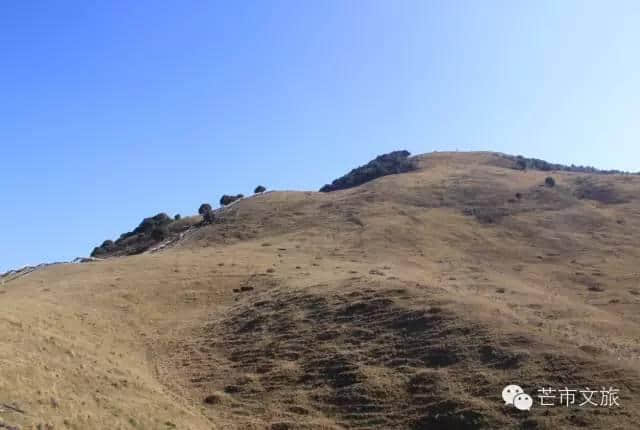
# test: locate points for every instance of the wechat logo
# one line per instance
(515, 395)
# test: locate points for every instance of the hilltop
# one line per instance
(403, 302)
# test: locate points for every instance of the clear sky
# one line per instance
(113, 111)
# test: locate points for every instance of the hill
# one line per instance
(407, 302)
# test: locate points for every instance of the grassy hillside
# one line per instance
(407, 302)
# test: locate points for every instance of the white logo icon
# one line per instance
(515, 395)
(523, 402)
(510, 392)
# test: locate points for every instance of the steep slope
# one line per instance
(408, 302)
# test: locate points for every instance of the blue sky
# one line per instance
(114, 111)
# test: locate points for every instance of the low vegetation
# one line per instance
(227, 199)
(589, 189)
(149, 232)
(386, 164)
(204, 208)
(259, 189)
(523, 163)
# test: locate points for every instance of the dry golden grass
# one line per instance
(383, 306)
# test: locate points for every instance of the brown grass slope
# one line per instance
(406, 303)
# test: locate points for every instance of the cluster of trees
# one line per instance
(156, 229)
(227, 199)
(386, 164)
(150, 230)
(524, 163)
(155, 226)
(207, 212)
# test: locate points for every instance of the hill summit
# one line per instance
(403, 300)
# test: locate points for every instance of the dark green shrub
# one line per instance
(106, 247)
(123, 236)
(549, 181)
(259, 189)
(204, 208)
(149, 224)
(522, 163)
(160, 233)
(227, 199)
(177, 217)
(386, 164)
(155, 228)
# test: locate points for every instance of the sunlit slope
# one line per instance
(406, 303)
